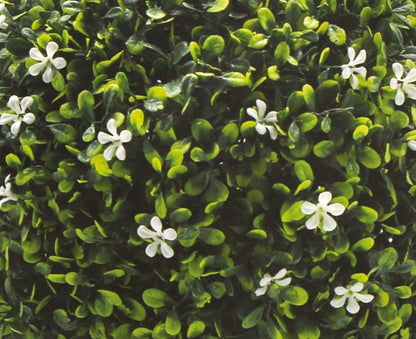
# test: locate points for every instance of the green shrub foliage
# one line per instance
(207, 169)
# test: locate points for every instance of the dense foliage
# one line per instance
(224, 169)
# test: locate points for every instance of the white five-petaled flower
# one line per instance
(264, 123)
(350, 69)
(6, 192)
(277, 279)
(47, 63)
(116, 141)
(158, 236)
(321, 210)
(351, 293)
(19, 114)
(403, 85)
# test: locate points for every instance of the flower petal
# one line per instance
(59, 63)
(355, 81)
(340, 290)
(308, 208)
(151, 249)
(125, 136)
(365, 298)
(156, 224)
(351, 54)
(26, 103)
(337, 303)
(145, 233)
(51, 48)
(166, 250)
(261, 107)
(410, 91)
(14, 104)
(358, 286)
(284, 282)
(261, 129)
(411, 144)
(335, 209)
(253, 113)
(271, 117)
(35, 54)
(47, 75)
(398, 70)
(170, 234)
(273, 132)
(346, 72)
(261, 291)
(411, 76)
(16, 127)
(329, 223)
(6, 117)
(111, 127)
(312, 222)
(361, 57)
(29, 118)
(121, 153)
(399, 99)
(281, 273)
(266, 280)
(352, 306)
(324, 198)
(361, 71)
(393, 83)
(35, 69)
(109, 152)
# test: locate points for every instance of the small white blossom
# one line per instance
(3, 23)
(412, 145)
(158, 236)
(6, 192)
(116, 141)
(321, 210)
(47, 63)
(19, 114)
(351, 293)
(264, 123)
(403, 85)
(350, 69)
(277, 279)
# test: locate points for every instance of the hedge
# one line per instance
(219, 169)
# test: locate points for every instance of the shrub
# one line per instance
(207, 169)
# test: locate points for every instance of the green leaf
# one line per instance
(64, 133)
(266, 19)
(307, 121)
(212, 236)
(253, 318)
(197, 184)
(101, 165)
(326, 93)
(295, 295)
(61, 319)
(337, 35)
(214, 44)
(236, 79)
(307, 329)
(281, 53)
(324, 148)
(86, 105)
(201, 130)
(303, 171)
(218, 6)
(58, 81)
(13, 161)
(180, 215)
(365, 214)
(363, 245)
(293, 213)
(195, 329)
(132, 309)
(369, 157)
(173, 323)
(387, 259)
(155, 298)
(188, 84)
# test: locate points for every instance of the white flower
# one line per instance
(46, 62)
(412, 144)
(268, 280)
(116, 141)
(264, 123)
(19, 114)
(321, 210)
(406, 87)
(158, 238)
(349, 69)
(350, 292)
(6, 192)
(3, 23)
